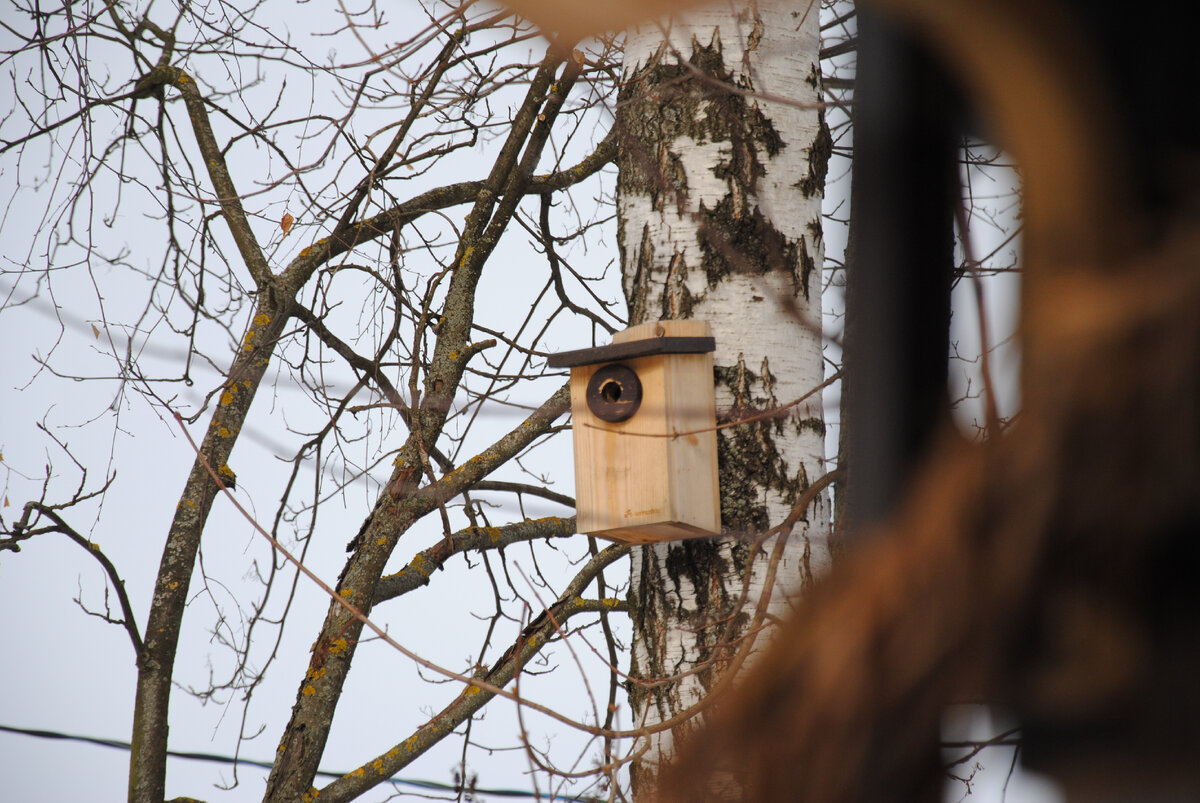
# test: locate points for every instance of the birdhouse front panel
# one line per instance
(645, 443)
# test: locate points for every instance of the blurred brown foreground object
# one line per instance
(1053, 572)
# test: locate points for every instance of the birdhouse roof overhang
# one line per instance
(631, 349)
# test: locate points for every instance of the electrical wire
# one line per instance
(220, 759)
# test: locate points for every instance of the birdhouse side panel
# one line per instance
(692, 449)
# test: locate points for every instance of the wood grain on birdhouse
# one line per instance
(644, 416)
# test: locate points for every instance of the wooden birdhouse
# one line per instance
(644, 414)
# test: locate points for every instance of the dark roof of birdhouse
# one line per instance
(632, 349)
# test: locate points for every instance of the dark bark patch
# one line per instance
(742, 555)
(677, 299)
(745, 243)
(815, 233)
(748, 457)
(812, 424)
(818, 161)
(807, 265)
(637, 289)
(698, 561)
(743, 509)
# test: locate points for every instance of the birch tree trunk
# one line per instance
(719, 207)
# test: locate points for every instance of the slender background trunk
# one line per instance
(719, 205)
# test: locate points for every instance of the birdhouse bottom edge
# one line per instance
(653, 533)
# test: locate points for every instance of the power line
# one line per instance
(221, 759)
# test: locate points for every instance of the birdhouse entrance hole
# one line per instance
(614, 393)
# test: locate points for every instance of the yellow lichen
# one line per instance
(338, 645)
(309, 690)
(346, 593)
(226, 398)
(380, 541)
(223, 432)
(377, 765)
(471, 690)
(262, 319)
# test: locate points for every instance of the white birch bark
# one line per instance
(719, 208)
